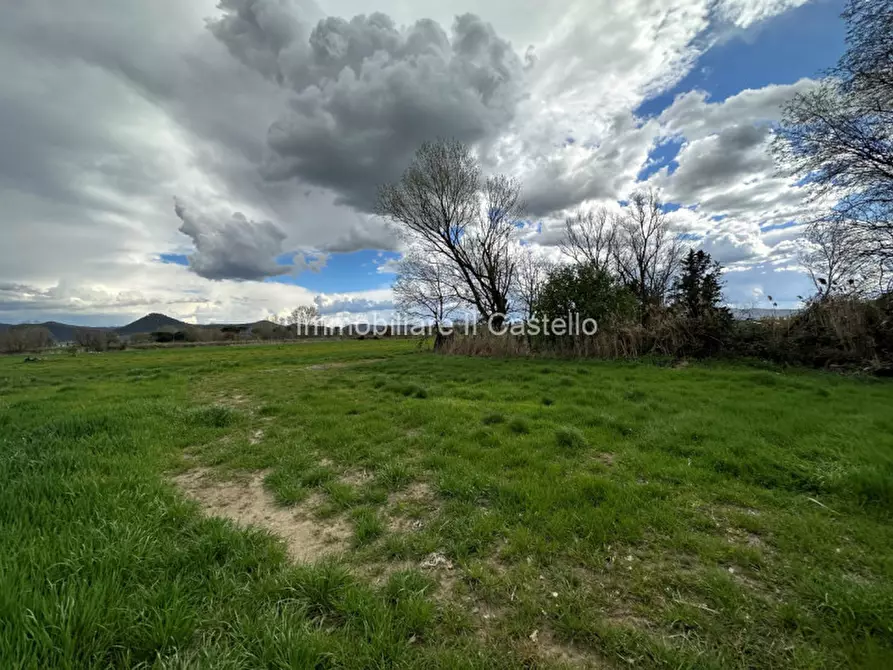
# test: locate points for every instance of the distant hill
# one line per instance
(63, 332)
(60, 332)
(151, 323)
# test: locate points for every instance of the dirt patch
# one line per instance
(315, 367)
(341, 364)
(355, 477)
(606, 458)
(743, 537)
(440, 568)
(256, 436)
(544, 645)
(234, 401)
(417, 492)
(248, 503)
(410, 508)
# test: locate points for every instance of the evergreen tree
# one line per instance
(698, 288)
(698, 297)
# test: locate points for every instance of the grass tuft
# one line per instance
(519, 425)
(393, 476)
(213, 416)
(570, 438)
(368, 526)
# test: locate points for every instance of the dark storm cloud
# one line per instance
(731, 156)
(366, 93)
(231, 248)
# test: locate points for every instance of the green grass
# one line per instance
(631, 514)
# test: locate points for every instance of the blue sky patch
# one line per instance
(799, 43)
(355, 271)
(176, 259)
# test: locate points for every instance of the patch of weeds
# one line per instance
(367, 525)
(519, 425)
(492, 418)
(570, 438)
(410, 389)
(213, 416)
(393, 476)
(408, 583)
(870, 486)
(320, 588)
(416, 391)
(763, 378)
(594, 490)
(317, 476)
(341, 495)
(547, 401)
(287, 487)
(406, 592)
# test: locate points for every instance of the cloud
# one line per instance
(725, 169)
(312, 262)
(372, 233)
(346, 303)
(576, 173)
(710, 166)
(742, 13)
(366, 93)
(390, 266)
(231, 248)
(276, 110)
(692, 115)
(730, 243)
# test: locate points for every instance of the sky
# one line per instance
(218, 161)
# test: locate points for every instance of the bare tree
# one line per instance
(646, 251)
(302, 317)
(467, 222)
(840, 134)
(833, 258)
(92, 339)
(18, 339)
(533, 271)
(590, 238)
(424, 288)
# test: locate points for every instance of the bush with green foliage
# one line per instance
(588, 291)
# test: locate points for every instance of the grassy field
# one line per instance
(412, 510)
